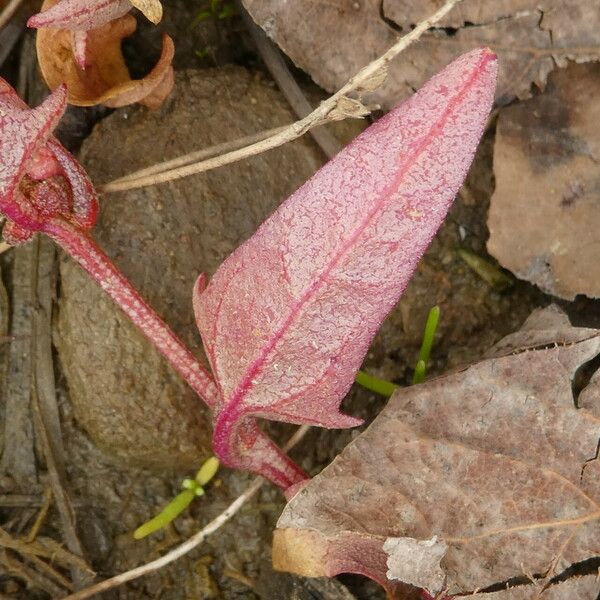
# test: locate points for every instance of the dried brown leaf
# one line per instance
(106, 78)
(545, 216)
(151, 9)
(332, 40)
(578, 588)
(494, 461)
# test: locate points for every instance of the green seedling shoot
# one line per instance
(387, 388)
(490, 273)
(192, 488)
(217, 10)
(374, 384)
(433, 319)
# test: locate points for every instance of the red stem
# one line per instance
(259, 453)
(239, 443)
(86, 252)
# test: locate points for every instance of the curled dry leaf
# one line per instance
(495, 461)
(106, 78)
(544, 215)
(81, 16)
(333, 40)
(151, 9)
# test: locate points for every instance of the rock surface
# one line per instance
(333, 40)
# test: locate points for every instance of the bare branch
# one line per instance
(193, 157)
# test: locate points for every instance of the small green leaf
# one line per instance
(433, 319)
(170, 512)
(489, 272)
(227, 11)
(208, 470)
(192, 489)
(373, 384)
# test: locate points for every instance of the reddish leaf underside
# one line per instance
(287, 319)
(29, 151)
(80, 15)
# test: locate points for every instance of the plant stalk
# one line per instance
(82, 248)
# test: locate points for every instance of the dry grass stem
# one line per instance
(187, 159)
(336, 107)
(14, 566)
(9, 10)
(277, 66)
(189, 544)
(41, 517)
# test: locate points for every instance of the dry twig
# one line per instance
(14, 566)
(189, 544)
(274, 61)
(9, 11)
(198, 155)
(46, 416)
(18, 457)
(336, 107)
(42, 514)
(42, 547)
(20, 500)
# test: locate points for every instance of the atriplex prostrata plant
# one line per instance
(195, 487)
(81, 16)
(288, 317)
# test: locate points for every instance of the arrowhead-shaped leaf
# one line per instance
(287, 319)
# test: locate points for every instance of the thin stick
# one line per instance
(9, 11)
(189, 544)
(46, 416)
(39, 521)
(325, 112)
(82, 248)
(203, 154)
(275, 63)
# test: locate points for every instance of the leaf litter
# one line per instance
(544, 214)
(332, 40)
(484, 475)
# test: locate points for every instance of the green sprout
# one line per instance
(433, 319)
(217, 10)
(490, 273)
(192, 488)
(387, 388)
(374, 384)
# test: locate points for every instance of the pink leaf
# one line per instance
(39, 179)
(287, 319)
(80, 15)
